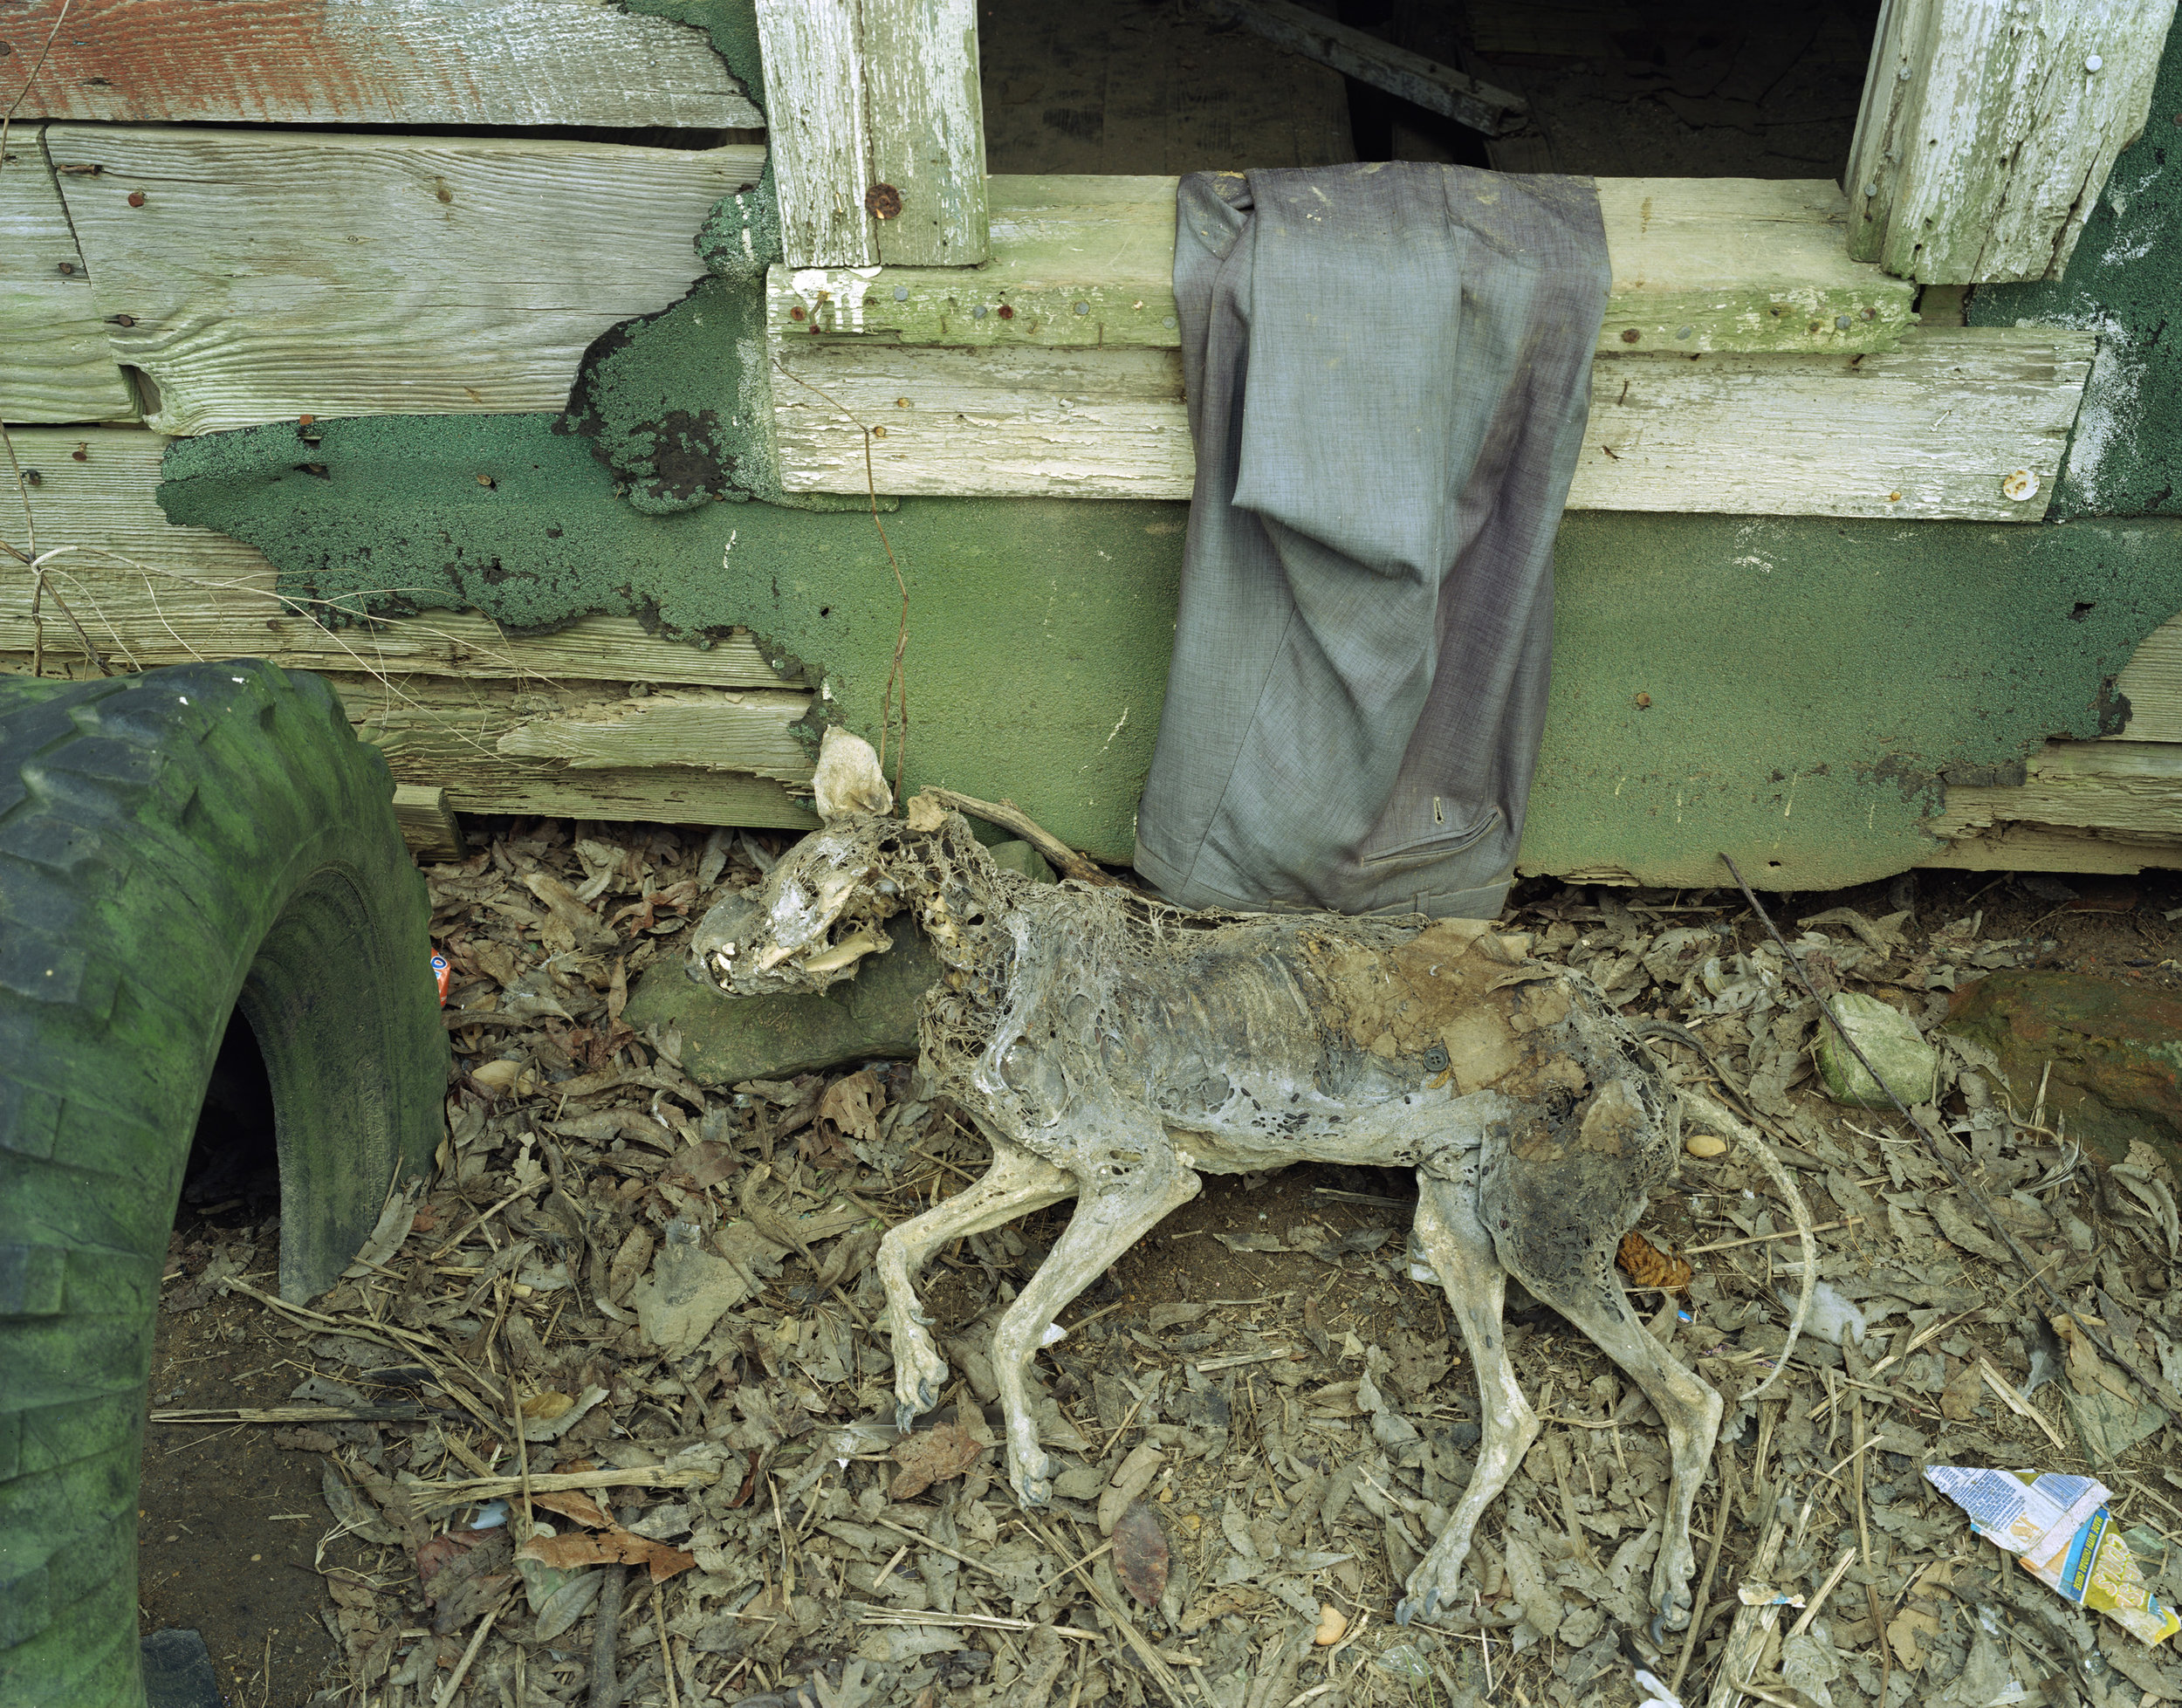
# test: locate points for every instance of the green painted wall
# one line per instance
(1813, 685)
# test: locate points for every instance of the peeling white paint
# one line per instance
(838, 291)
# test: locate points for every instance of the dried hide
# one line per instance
(1116, 1049)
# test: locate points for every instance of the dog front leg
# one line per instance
(1111, 1216)
(1017, 1183)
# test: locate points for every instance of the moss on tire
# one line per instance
(173, 847)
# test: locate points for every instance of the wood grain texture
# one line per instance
(386, 62)
(869, 97)
(2151, 681)
(1988, 131)
(1929, 431)
(2034, 848)
(2130, 788)
(429, 828)
(1699, 264)
(54, 362)
(174, 594)
(704, 729)
(447, 734)
(273, 274)
(926, 129)
(814, 89)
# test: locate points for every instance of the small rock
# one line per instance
(1705, 1144)
(1333, 1624)
(1890, 1038)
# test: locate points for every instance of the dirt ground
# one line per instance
(1307, 1414)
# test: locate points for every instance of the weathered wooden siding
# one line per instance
(255, 275)
(55, 362)
(386, 62)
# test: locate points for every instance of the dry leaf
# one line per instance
(1648, 1266)
(1959, 1400)
(582, 1549)
(2087, 1372)
(1140, 1553)
(932, 1456)
(573, 1504)
(853, 1104)
(1911, 1626)
(548, 1405)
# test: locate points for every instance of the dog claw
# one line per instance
(1659, 1633)
(904, 1418)
(1404, 1611)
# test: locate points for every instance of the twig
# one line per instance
(1154, 1662)
(1840, 1568)
(1697, 1621)
(666, 1655)
(1071, 864)
(292, 1414)
(1864, 1540)
(1766, 1238)
(468, 1491)
(522, 1453)
(606, 1628)
(979, 1621)
(1746, 1636)
(2008, 1397)
(462, 1667)
(2167, 1401)
(1714, 1110)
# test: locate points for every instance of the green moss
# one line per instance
(733, 26)
(2124, 282)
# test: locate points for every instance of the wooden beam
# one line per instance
(383, 62)
(152, 594)
(1934, 430)
(877, 129)
(54, 362)
(1988, 131)
(428, 824)
(1435, 87)
(2036, 847)
(1699, 264)
(265, 275)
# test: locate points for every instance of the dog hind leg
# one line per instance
(1017, 1183)
(1460, 1250)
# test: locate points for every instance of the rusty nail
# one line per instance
(882, 202)
(136, 198)
(67, 267)
(878, 432)
(1006, 313)
(1643, 702)
(81, 453)
(121, 321)
(486, 480)
(33, 478)
(1630, 335)
(1894, 497)
(795, 314)
(304, 420)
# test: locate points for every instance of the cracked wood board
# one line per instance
(1699, 264)
(449, 734)
(386, 62)
(54, 361)
(2132, 787)
(200, 594)
(271, 275)
(1987, 131)
(1926, 432)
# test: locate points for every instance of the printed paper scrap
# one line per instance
(2059, 1529)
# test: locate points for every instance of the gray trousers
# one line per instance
(1389, 370)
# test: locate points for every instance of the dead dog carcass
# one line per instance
(1117, 1049)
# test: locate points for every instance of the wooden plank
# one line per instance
(54, 362)
(2034, 847)
(1435, 87)
(151, 594)
(429, 825)
(272, 274)
(701, 728)
(2131, 788)
(1699, 264)
(386, 62)
(449, 735)
(813, 54)
(2151, 681)
(927, 130)
(1986, 130)
(1929, 432)
(877, 129)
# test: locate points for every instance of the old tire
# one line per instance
(173, 847)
